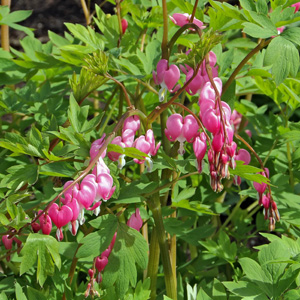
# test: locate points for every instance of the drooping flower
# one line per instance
(147, 145)
(96, 145)
(135, 221)
(181, 129)
(126, 140)
(200, 147)
(182, 19)
(124, 24)
(60, 216)
(166, 76)
(46, 223)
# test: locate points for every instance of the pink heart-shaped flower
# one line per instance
(60, 216)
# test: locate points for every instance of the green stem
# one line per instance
(234, 211)
(289, 157)
(154, 205)
(164, 43)
(261, 45)
(179, 32)
(194, 11)
(154, 253)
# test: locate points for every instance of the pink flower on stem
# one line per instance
(100, 168)
(75, 207)
(182, 19)
(147, 145)
(135, 221)
(60, 216)
(200, 147)
(166, 76)
(126, 140)
(101, 263)
(181, 130)
(96, 145)
(124, 24)
(261, 187)
(133, 123)
(105, 187)
(244, 156)
(46, 223)
(7, 242)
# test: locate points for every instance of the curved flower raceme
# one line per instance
(166, 76)
(181, 129)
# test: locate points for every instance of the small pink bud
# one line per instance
(124, 24)
(87, 292)
(101, 263)
(265, 201)
(7, 242)
(96, 145)
(218, 142)
(46, 223)
(35, 227)
(91, 273)
(135, 221)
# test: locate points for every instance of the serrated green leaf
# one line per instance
(292, 34)
(185, 194)
(58, 169)
(19, 292)
(257, 31)
(255, 273)
(20, 175)
(284, 58)
(245, 289)
(96, 242)
(34, 294)
(194, 206)
(130, 249)
(45, 250)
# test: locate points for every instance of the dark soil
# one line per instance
(50, 15)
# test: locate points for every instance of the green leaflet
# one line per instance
(44, 249)
(96, 242)
(130, 249)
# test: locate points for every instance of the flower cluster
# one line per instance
(98, 186)
(216, 118)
